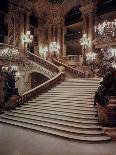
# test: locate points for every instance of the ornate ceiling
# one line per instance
(60, 7)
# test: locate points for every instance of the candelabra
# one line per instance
(90, 57)
(55, 48)
(27, 39)
(84, 41)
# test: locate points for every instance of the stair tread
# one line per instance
(65, 118)
(62, 124)
(60, 113)
(66, 111)
(55, 132)
(79, 108)
(52, 103)
(58, 110)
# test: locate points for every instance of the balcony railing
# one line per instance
(44, 63)
(70, 69)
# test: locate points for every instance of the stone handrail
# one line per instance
(99, 75)
(44, 63)
(69, 69)
(41, 88)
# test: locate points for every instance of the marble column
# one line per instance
(27, 21)
(21, 27)
(49, 40)
(91, 31)
(63, 40)
(59, 37)
(84, 24)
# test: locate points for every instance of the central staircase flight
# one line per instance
(65, 111)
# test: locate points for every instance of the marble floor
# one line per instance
(18, 141)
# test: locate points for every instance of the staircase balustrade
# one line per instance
(70, 69)
(44, 63)
(41, 88)
(93, 70)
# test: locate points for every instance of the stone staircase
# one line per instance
(66, 111)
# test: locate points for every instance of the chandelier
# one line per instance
(27, 38)
(107, 28)
(84, 40)
(54, 47)
(9, 53)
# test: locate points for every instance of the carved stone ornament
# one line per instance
(52, 20)
(86, 2)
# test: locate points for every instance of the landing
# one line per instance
(17, 141)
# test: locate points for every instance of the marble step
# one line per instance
(91, 111)
(51, 130)
(67, 96)
(66, 126)
(77, 86)
(63, 100)
(84, 79)
(77, 93)
(69, 106)
(56, 117)
(81, 104)
(61, 113)
(59, 109)
(74, 90)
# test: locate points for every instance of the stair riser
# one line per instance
(55, 117)
(60, 110)
(59, 124)
(56, 125)
(60, 113)
(75, 108)
(63, 104)
(81, 108)
(63, 135)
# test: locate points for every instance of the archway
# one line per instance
(37, 79)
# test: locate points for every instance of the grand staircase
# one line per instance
(65, 111)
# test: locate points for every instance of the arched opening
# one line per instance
(37, 79)
(74, 27)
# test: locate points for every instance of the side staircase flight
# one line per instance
(65, 111)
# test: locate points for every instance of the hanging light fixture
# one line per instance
(107, 28)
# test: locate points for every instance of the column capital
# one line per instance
(88, 9)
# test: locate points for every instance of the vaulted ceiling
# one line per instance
(62, 7)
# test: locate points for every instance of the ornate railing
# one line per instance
(44, 63)
(93, 67)
(41, 88)
(69, 69)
